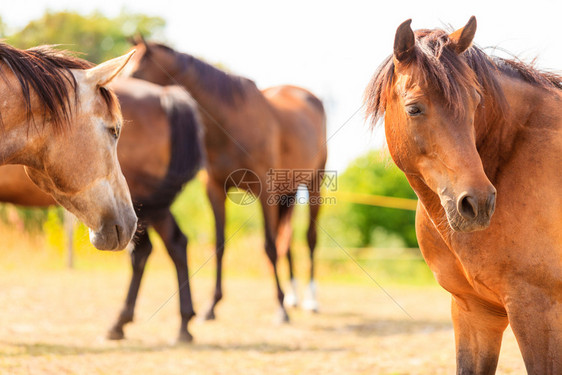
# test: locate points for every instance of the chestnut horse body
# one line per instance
(61, 122)
(278, 129)
(160, 150)
(465, 127)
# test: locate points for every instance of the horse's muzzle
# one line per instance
(114, 235)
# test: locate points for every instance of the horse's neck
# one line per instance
(18, 139)
(496, 134)
(201, 80)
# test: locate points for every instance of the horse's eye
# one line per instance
(413, 110)
(114, 132)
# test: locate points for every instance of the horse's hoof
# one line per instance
(185, 338)
(116, 334)
(210, 315)
(310, 305)
(282, 317)
(291, 300)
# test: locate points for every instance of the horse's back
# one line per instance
(302, 123)
(297, 101)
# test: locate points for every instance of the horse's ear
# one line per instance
(102, 74)
(462, 38)
(404, 42)
(139, 39)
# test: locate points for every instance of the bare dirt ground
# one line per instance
(54, 321)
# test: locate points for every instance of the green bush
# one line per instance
(359, 225)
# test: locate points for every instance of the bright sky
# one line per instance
(329, 47)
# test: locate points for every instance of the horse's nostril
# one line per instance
(491, 204)
(119, 232)
(467, 206)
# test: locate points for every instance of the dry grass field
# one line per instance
(54, 320)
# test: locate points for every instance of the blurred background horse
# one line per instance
(277, 130)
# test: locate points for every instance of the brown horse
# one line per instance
(278, 129)
(160, 150)
(465, 127)
(61, 122)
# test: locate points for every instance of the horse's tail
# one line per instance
(186, 154)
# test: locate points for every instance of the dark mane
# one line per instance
(46, 71)
(528, 73)
(441, 68)
(226, 86)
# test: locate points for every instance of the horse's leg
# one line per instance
(139, 255)
(217, 197)
(478, 334)
(283, 243)
(176, 244)
(311, 303)
(291, 297)
(271, 219)
(537, 325)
